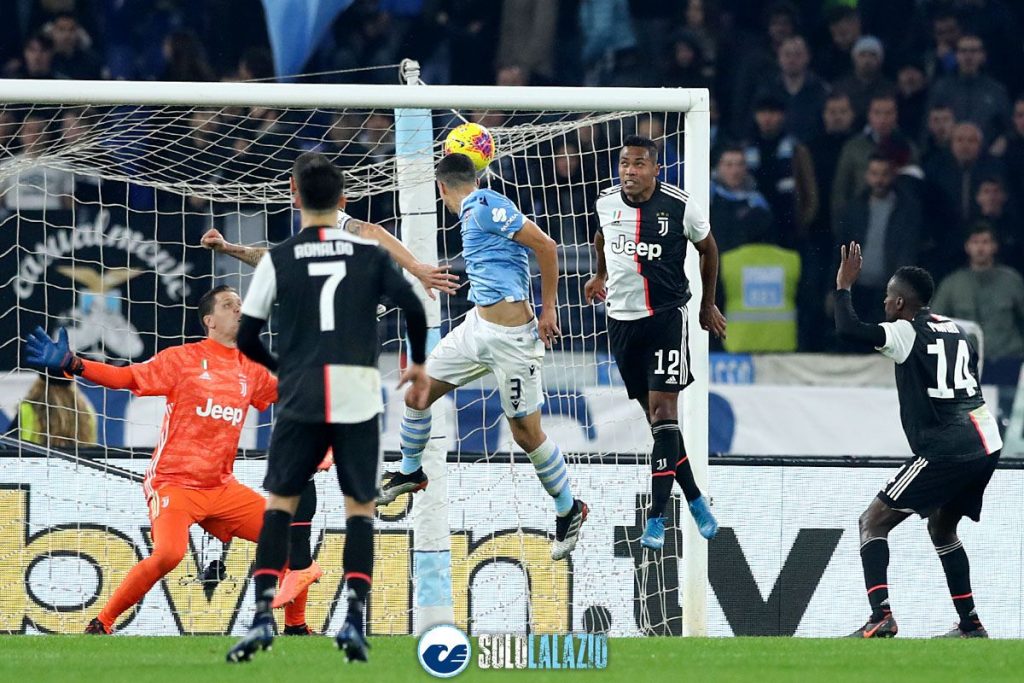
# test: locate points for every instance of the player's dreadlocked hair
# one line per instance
(919, 281)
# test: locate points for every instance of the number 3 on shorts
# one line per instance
(515, 387)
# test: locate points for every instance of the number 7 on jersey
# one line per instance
(335, 272)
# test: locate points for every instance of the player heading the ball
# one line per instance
(500, 336)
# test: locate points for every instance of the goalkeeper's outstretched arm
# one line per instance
(57, 357)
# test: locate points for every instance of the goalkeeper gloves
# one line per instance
(43, 352)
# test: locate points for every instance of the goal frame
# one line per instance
(692, 103)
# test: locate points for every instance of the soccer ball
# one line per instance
(474, 141)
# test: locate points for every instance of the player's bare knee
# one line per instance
(355, 508)
(941, 532)
(662, 409)
(527, 433)
(872, 524)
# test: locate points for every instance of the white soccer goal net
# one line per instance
(104, 197)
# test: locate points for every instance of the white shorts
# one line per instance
(514, 354)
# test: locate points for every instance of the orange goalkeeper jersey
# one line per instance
(209, 388)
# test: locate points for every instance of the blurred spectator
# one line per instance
(35, 187)
(56, 414)
(607, 31)
(801, 89)
(758, 60)
(36, 59)
(958, 173)
(256, 64)
(784, 172)
(867, 80)
(993, 21)
(817, 277)
(941, 60)
(185, 59)
(912, 99)
(880, 136)
(738, 211)
(687, 68)
(512, 77)
(9, 126)
(938, 131)
(886, 220)
(974, 96)
(825, 150)
(527, 38)
(704, 21)
(1013, 153)
(989, 294)
(833, 60)
(341, 145)
(991, 205)
(759, 286)
(370, 40)
(567, 198)
(73, 56)
(655, 21)
(75, 124)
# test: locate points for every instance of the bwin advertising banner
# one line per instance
(785, 562)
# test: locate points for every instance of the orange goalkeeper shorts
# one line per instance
(226, 512)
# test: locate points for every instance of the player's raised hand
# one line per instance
(712, 320)
(43, 352)
(415, 375)
(595, 289)
(547, 327)
(212, 239)
(850, 261)
(436, 277)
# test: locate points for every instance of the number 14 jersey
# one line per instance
(941, 407)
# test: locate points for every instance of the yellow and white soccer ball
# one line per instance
(474, 141)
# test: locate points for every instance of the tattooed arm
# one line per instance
(248, 255)
(431, 277)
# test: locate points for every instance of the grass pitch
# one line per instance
(30, 659)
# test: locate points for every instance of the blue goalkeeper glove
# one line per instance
(43, 352)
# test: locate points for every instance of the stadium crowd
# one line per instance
(896, 123)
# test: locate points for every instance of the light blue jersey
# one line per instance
(498, 267)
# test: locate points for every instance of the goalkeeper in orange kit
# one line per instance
(209, 387)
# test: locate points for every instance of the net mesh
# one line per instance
(102, 210)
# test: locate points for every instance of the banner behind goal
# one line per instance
(105, 192)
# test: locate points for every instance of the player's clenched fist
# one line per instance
(212, 239)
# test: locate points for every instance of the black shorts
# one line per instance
(652, 353)
(296, 448)
(923, 486)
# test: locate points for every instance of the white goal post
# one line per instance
(415, 150)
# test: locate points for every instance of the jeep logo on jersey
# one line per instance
(215, 411)
(631, 248)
